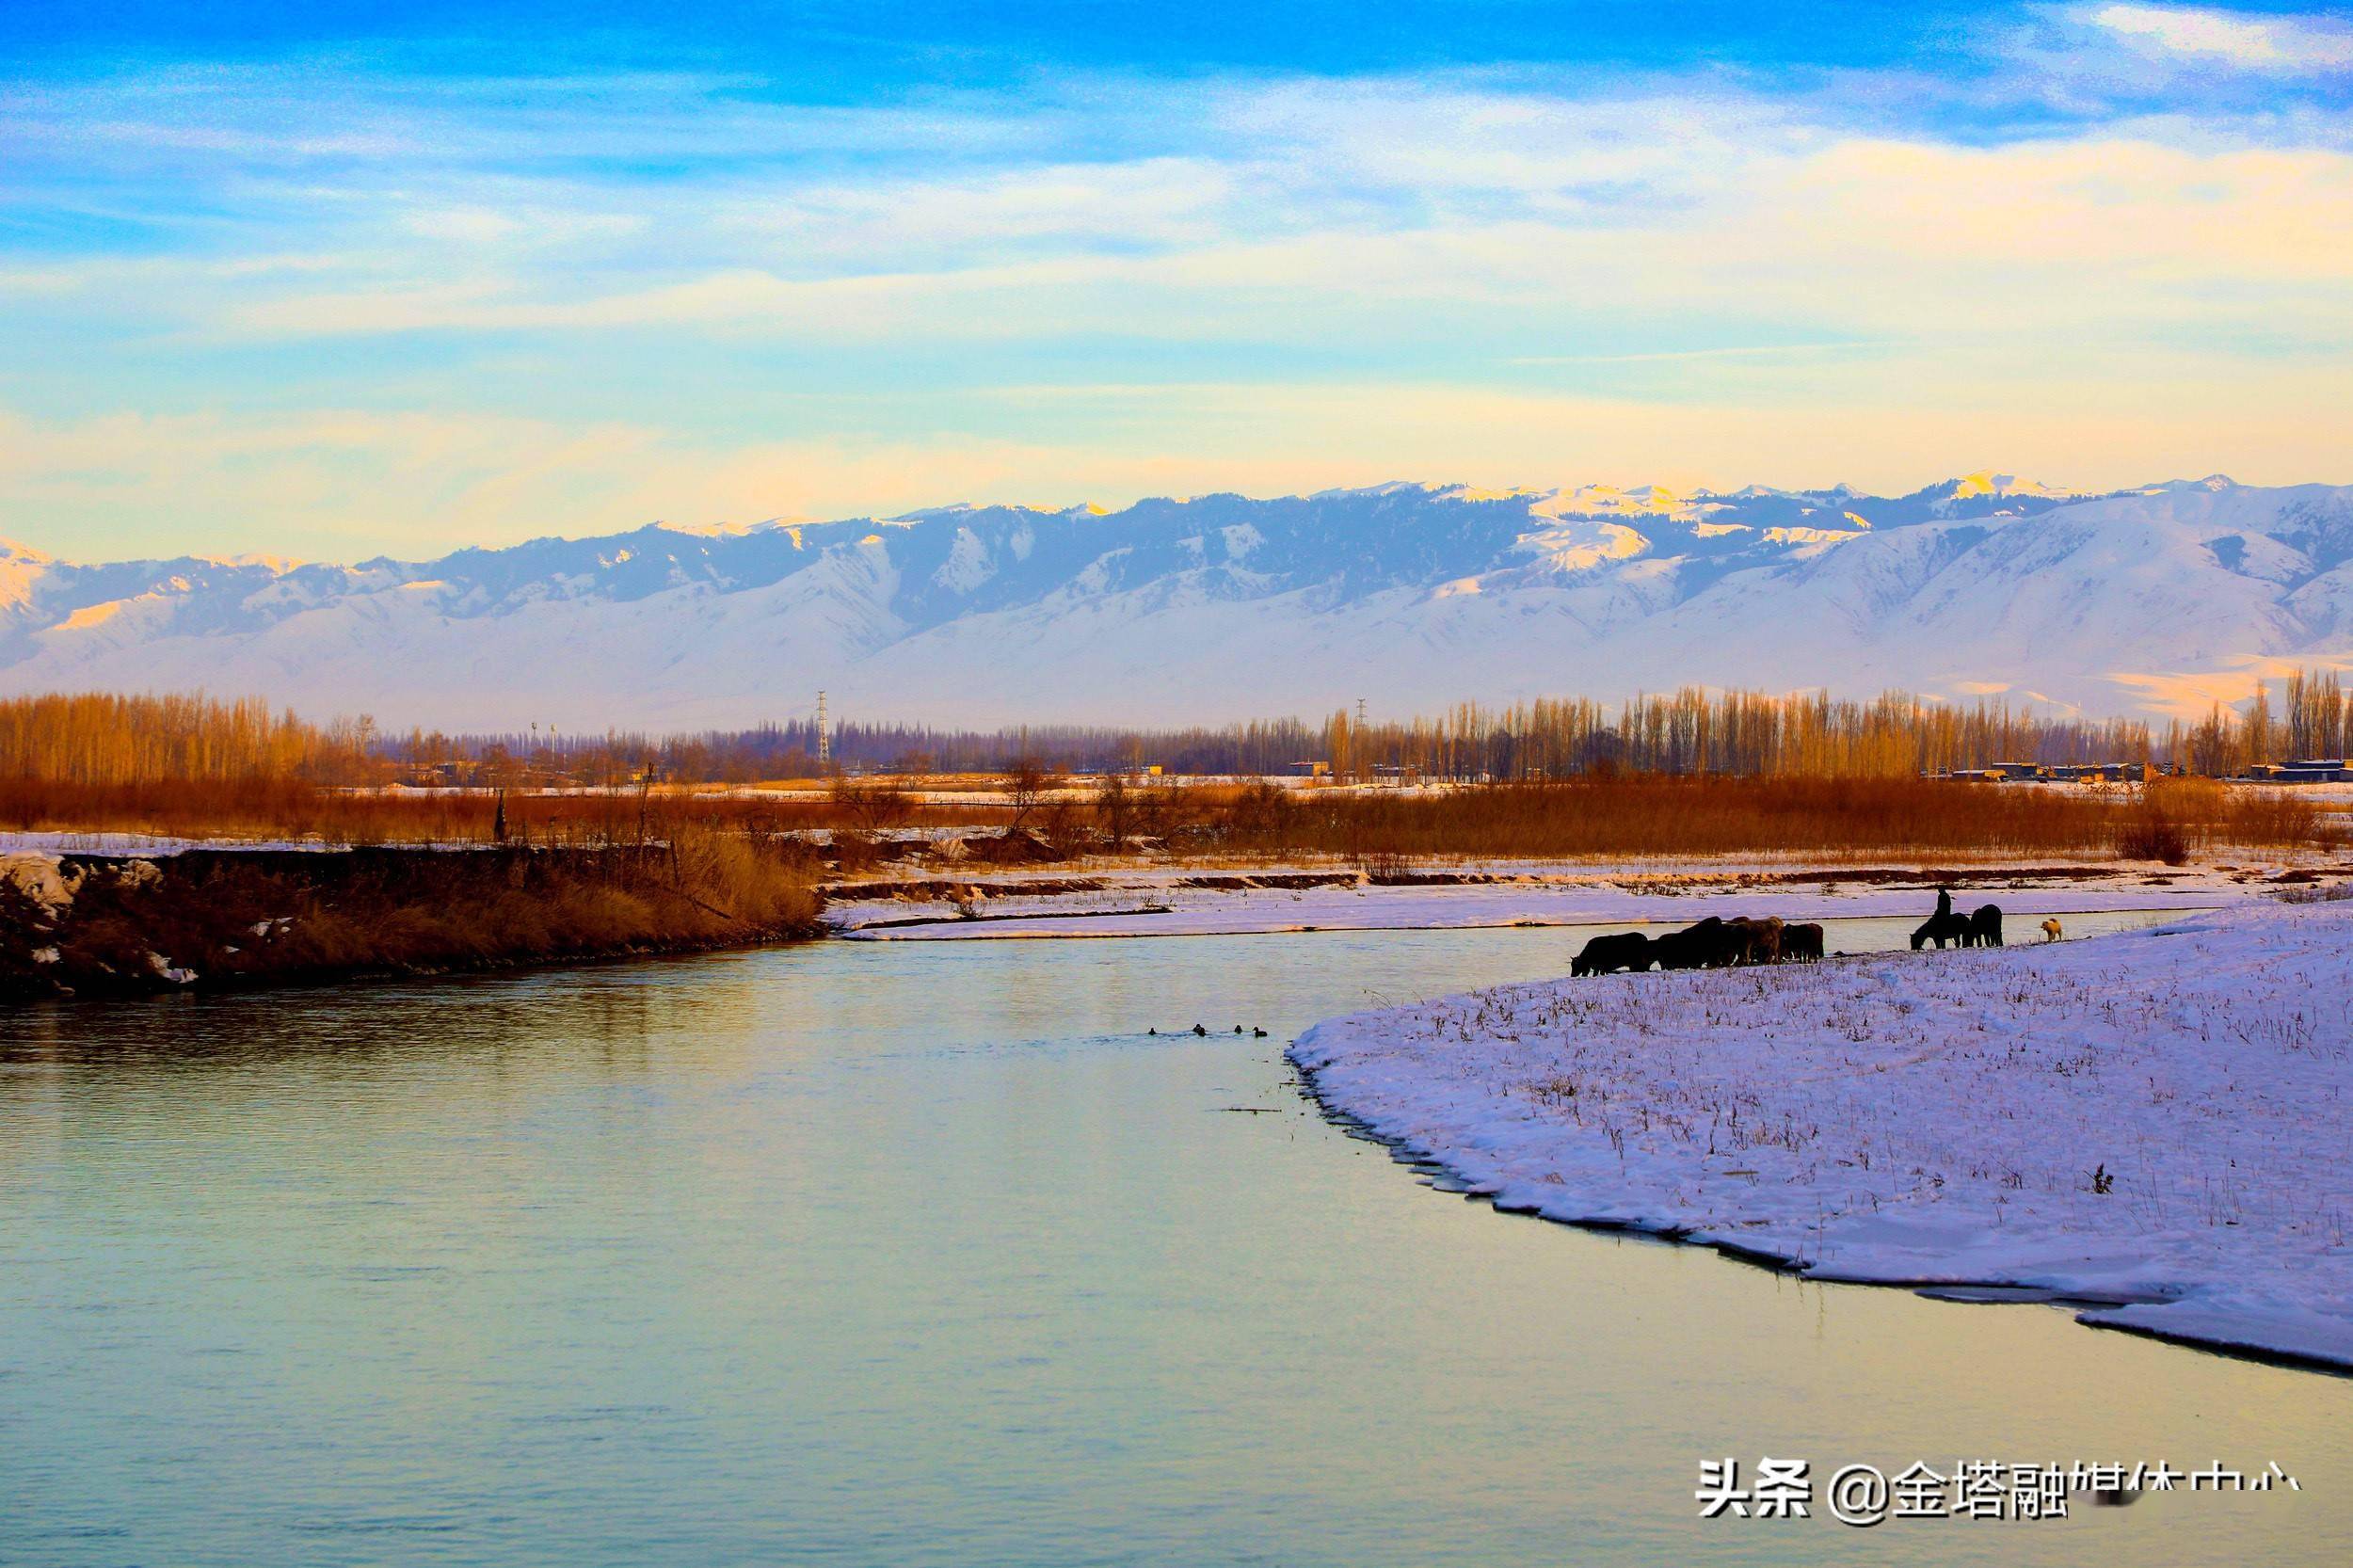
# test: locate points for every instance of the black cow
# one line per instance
(1714, 943)
(1763, 939)
(1609, 954)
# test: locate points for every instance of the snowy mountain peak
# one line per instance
(725, 530)
(1611, 500)
(2213, 484)
(1988, 486)
(276, 565)
(1474, 493)
(970, 508)
(1389, 487)
(1987, 482)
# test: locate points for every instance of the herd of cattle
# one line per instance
(1717, 943)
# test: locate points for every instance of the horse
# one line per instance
(1985, 926)
(1941, 929)
(2051, 932)
(1609, 954)
(1801, 943)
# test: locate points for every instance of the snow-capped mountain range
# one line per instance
(1221, 606)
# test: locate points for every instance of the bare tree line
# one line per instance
(108, 740)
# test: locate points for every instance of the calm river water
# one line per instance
(927, 1254)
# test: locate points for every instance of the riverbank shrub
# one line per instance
(231, 918)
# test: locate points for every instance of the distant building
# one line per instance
(2304, 770)
(441, 776)
(2102, 773)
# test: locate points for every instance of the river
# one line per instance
(929, 1254)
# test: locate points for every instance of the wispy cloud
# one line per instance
(639, 279)
(1748, 351)
(2287, 44)
(1851, 236)
(351, 482)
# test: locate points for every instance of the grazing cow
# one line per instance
(1761, 939)
(1710, 944)
(1985, 926)
(2051, 929)
(1678, 950)
(1941, 929)
(1801, 943)
(1609, 954)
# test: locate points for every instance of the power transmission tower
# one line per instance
(824, 740)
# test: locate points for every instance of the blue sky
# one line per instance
(345, 279)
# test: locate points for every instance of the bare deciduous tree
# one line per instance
(1115, 810)
(1028, 782)
(873, 804)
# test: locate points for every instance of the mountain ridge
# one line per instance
(2147, 599)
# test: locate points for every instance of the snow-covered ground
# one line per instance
(1163, 910)
(2157, 1124)
(51, 842)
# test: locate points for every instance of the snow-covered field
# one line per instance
(68, 842)
(1167, 911)
(2158, 1124)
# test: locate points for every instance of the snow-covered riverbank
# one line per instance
(1168, 906)
(1180, 912)
(2158, 1124)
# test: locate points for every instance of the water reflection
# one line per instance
(930, 1254)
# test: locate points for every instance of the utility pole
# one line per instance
(824, 740)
